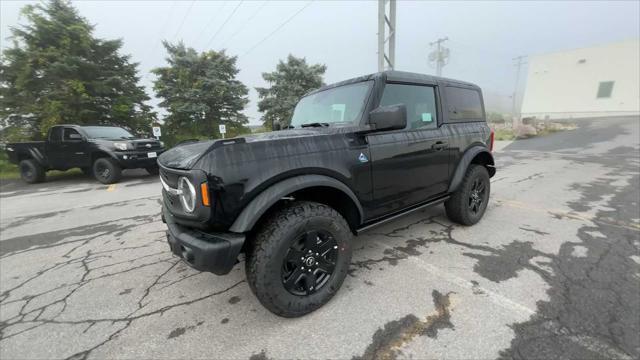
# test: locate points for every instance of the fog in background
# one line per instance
(484, 36)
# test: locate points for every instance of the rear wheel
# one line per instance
(299, 258)
(106, 170)
(31, 171)
(468, 204)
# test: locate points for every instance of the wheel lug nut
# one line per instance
(335, 247)
(316, 254)
(303, 268)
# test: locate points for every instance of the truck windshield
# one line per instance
(107, 132)
(339, 105)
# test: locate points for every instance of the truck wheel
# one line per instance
(467, 205)
(106, 170)
(299, 258)
(153, 170)
(31, 172)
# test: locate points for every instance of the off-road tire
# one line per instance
(32, 172)
(458, 206)
(106, 170)
(265, 257)
(153, 170)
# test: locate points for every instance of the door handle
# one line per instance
(440, 145)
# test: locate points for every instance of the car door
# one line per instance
(55, 148)
(74, 148)
(410, 165)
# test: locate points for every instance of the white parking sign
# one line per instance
(223, 130)
(156, 131)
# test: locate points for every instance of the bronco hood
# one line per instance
(186, 155)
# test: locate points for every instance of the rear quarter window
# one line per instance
(56, 134)
(464, 105)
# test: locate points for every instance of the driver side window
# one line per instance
(71, 135)
(419, 100)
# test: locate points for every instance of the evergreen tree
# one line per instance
(58, 72)
(200, 91)
(287, 85)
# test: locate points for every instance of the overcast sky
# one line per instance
(484, 36)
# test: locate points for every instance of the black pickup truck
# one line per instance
(101, 151)
(356, 154)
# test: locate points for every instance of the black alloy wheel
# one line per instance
(469, 202)
(477, 195)
(106, 170)
(102, 170)
(309, 262)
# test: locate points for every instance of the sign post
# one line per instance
(157, 132)
(223, 130)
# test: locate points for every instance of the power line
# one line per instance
(244, 25)
(184, 18)
(224, 4)
(223, 24)
(278, 28)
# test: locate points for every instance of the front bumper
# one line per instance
(138, 159)
(211, 252)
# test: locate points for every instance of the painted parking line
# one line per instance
(111, 187)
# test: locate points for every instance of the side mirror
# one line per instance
(277, 126)
(390, 117)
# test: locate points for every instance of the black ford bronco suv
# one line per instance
(357, 153)
(101, 151)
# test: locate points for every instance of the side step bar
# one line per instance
(403, 212)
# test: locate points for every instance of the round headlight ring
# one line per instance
(187, 194)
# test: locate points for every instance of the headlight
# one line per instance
(187, 194)
(120, 146)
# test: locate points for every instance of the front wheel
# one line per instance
(106, 170)
(299, 258)
(31, 171)
(468, 204)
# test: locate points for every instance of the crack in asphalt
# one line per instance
(28, 318)
(387, 342)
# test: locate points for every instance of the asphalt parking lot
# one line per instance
(552, 271)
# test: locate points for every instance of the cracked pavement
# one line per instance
(552, 271)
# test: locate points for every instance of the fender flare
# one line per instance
(261, 203)
(103, 150)
(37, 155)
(464, 162)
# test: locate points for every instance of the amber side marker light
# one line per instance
(204, 190)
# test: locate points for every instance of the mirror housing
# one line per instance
(390, 117)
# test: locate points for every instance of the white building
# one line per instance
(589, 82)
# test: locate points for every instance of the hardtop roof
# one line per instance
(399, 76)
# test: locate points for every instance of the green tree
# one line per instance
(58, 72)
(200, 91)
(287, 85)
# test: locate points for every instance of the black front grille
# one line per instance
(147, 145)
(170, 177)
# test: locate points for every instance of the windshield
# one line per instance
(338, 105)
(107, 132)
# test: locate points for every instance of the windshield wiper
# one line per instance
(315, 124)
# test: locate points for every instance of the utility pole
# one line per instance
(386, 61)
(440, 56)
(515, 114)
